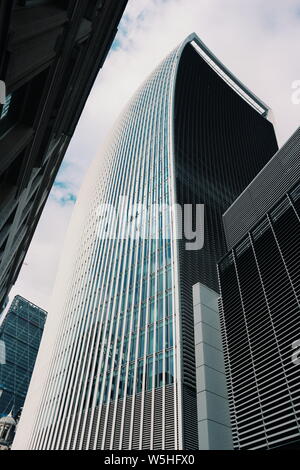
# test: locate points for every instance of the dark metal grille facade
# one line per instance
(260, 314)
(270, 184)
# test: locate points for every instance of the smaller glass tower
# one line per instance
(20, 335)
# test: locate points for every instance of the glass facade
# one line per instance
(124, 310)
(20, 335)
(122, 354)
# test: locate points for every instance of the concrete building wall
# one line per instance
(214, 429)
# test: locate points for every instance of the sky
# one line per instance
(257, 40)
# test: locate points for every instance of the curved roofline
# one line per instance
(261, 107)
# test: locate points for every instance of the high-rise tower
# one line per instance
(121, 373)
(21, 331)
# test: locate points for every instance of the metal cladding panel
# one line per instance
(273, 181)
(260, 320)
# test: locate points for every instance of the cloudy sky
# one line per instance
(257, 40)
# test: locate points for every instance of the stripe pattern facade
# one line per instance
(114, 361)
(260, 318)
(272, 183)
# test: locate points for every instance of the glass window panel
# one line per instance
(144, 291)
(169, 333)
(140, 369)
(159, 336)
(169, 279)
(130, 380)
(150, 340)
(151, 312)
(133, 346)
(135, 318)
(152, 286)
(141, 344)
(143, 316)
(127, 324)
(159, 371)
(160, 282)
(6, 106)
(168, 305)
(169, 367)
(149, 372)
(160, 308)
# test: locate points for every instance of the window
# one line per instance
(130, 379)
(160, 308)
(6, 107)
(159, 376)
(169, 367)
(169, 279)
(151, 312)
(143, 316)
(160, 282)
(133, 345)
(152, 286)
(159, 336)
(168, 305)
(169, 333)
(10, 111)
(141, 344)
(33, 3)
(150, 340)
(140, 376)
(149, 373)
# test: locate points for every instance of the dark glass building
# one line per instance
(260, 307)
(121, 373)
(20, 335)
(50, 54)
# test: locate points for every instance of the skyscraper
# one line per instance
(260, 287)
(20, 334)
(122, 372)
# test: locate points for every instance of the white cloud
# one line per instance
(258, 41)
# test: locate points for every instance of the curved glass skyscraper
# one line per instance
(117, 363)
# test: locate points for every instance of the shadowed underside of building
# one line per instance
(51, 52)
